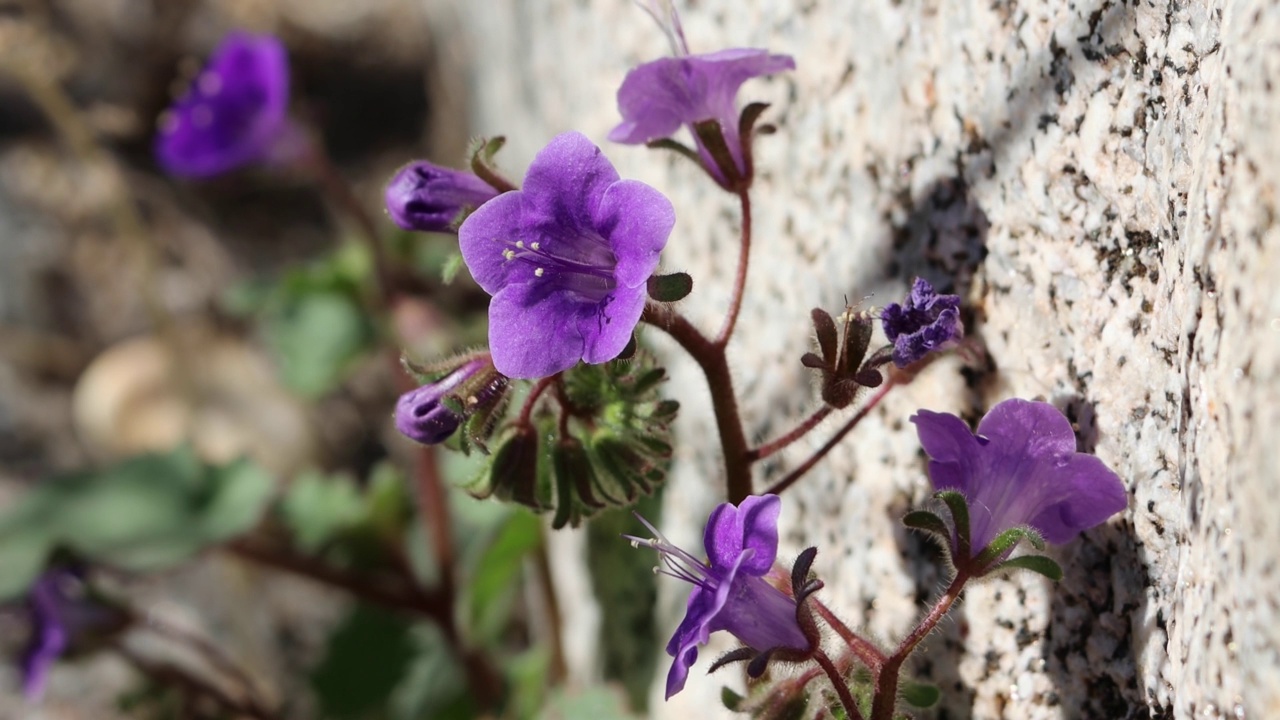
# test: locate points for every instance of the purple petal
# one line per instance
(485, 235)
(636, 220)
(1094, 493)
(760, 615)
(557, 343)
(49, 632)
(426, 197)
(751, 526)
(234, 113)
(606, 332)
(1038, 430)
(564, 184)
(951, 448)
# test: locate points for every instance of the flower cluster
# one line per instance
(927, 322)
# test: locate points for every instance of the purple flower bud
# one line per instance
(1020, 469)
(429, 198)
(566, 259)
(656, 98)
(235, 112)
(730, 592)
(423, 416)
(927, 322)
(60, 612)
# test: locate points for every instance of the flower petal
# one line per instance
(1093, 494)
(753, 525)
(1035, 429)
(636, 220)
(485, 235)
(656, 98)
(606, 332)
(564, 183)
(534, 333)
(952, 449)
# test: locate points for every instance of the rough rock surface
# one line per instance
(1098, 180)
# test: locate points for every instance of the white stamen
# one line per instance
(520, 244)
(539, 272)
(535, 246)
(509, 254)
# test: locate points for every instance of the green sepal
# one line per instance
(1004, 543)
(731, 700)
(452, 266)
(959, 508)
(747, 131)
(857, 338)
(676, 147)
(709, 132)
(1035, 563)
(670, 288)
(482, 153)
(920, 695)
(928, 522)
(824, 329)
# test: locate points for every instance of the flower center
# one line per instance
(581, 264)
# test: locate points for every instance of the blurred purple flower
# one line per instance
(927, 322)
(60, 613)
(426, 197)
(566, 259)
(730, 593)
(1021, 469)
(656, 98)
(234, 114)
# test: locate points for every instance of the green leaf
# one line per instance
(317, 507)
(493, 585)
(316, 338)
(1035, 563)
(921, 695)
(367, 657)
(730, 699)
(670, 288)
(959, 508)
(452, 266)
(434, 684)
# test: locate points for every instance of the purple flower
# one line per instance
(423, 416)
(234, 114)
(566, 259)
(656, 98)
(927, 322)
(430, 198)
(730, 593)
(1020, 469)
(60, 613)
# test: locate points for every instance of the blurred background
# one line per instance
(227, 324)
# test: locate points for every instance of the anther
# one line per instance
(535, 246)
(509, 254)
(538, 272)
(520, 244)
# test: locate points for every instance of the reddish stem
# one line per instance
(711, 357)
(887, 680)
(740, 279)
(798, 432)
(821, 452)
(531, 400)
(841, 685)
(867, 652)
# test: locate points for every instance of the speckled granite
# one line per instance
(1098, 179)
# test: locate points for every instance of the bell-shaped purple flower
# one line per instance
(566, 259)
(1021, 469)
(426, 197)
(658, 97)
(927, 322)
(421, 413)
(235, 112)
(730, 591)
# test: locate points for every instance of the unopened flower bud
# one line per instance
(429, 198)
(429, 415)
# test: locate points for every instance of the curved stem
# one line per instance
(531, 400)
(798, 432)
(887, 681)
(870, 655)
(841, 685)
(821, 452)
(711, 357)
(740, 279)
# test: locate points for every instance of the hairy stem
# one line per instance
(887, 680)
(796, 433)
(531, 400)
(711, 357)
(866, 651)
(840, 684)
(740, 278)
(821, 452)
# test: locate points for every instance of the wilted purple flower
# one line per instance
(656, 98)
(566, 259)
(730, 592)
(234, 113)
(429, 198)
(1020, 469)
(927, 322)
(421, 413)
